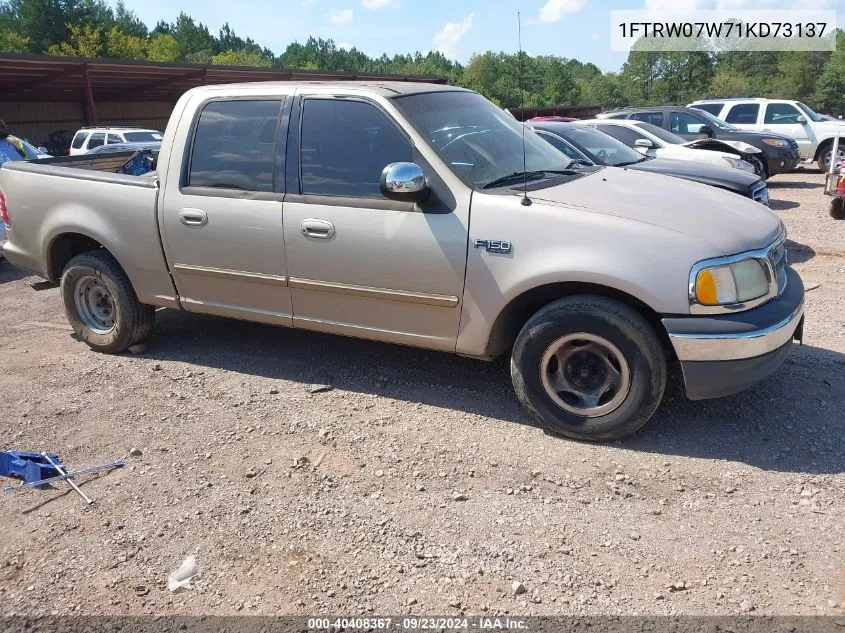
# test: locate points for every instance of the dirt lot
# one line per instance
(417, 485)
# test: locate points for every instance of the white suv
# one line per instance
(88, 138)
(813, 133)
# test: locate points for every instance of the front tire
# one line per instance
(589, 368)
(825, 158)
(101, 304)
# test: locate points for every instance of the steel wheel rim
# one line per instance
(94, 304)
(585, 374)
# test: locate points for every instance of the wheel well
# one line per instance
(822, 147)
(516, 314)
(64, 248)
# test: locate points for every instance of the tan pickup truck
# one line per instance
(408, 213)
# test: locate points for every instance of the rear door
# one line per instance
(782, 118)
(221, 216)
(361, 264)
(97, 139)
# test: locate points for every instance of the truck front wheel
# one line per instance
(589, 368)
(101, 304)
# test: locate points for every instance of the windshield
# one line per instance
(714, 121)
(599, 147)
(659, 132)
(810, 113)
(480, 142)
(142, 137)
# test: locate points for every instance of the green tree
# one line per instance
(162, 47)
(122, 46)
(727, 82)
(829, 93)
(240, 58)
(85, 41)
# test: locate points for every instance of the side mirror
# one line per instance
(801, 119)
(43, 150)
(405, 182)
(643, 143)
(706, 130)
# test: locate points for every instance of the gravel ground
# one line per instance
(417, 485)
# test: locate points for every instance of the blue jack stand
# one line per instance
(28, 466)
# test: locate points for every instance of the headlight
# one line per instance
(776, 142)
(738, 163)
(731, 283)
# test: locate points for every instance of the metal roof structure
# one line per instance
(38, 78)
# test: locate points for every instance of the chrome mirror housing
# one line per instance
(404, 181)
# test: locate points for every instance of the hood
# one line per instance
(734, 179)
(730, 223)
(722, 145)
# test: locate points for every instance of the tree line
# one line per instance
(91, 28)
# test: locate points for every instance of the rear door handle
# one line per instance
(193, 217)
(319, 229)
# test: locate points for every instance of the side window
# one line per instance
(96, 140)
(655, 118)
(345, 145)
(683, 123)
(79, 140)
(743, 113)
(113, 138)
(562, 146)
(712, 108)
(781, 114)
(235, 146)
(625, 134)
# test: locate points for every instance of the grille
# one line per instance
(760, 192)
(778, 260)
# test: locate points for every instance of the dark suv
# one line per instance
(780, 152)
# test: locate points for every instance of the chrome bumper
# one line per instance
(735, 346)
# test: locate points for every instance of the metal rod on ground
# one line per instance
(67, 479)
(74, 473)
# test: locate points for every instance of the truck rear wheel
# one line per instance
(589, 368)
(101, 304)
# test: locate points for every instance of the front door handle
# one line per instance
(193, 217)
(319, 229)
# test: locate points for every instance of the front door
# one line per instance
(360, 264)
(222, 224)
(783, 119)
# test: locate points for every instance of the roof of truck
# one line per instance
(383, 88)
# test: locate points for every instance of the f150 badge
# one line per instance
(494, 246)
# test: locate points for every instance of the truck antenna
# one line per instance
(526, 201)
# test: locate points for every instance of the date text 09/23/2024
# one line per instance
(420, 623)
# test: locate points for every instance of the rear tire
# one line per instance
(101, 304)
(589, 368)
(826, 155)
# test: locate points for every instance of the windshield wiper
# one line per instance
(633, 162)
(517, 175)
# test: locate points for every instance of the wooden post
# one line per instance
(89, 97)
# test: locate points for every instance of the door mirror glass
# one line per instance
(801, 119)
(643, 143)
(404, 181)
(706, 130)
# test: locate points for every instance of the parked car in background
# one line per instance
(810, 130)
(587, 145)
(651, 140)
(778, 153)
(89, 138)
(562, 119)
(420, 214)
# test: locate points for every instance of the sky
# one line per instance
(458, 28)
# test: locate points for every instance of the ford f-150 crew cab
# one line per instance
(408, 213)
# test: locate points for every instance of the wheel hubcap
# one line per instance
(828, 157)
(94, 304)
(585, 374)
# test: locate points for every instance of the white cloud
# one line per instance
(675, 5)
(340, 17)
(595, 37)
(448, 39)
(378, 4)
(554, 10)
(736, 5)
(307, 3)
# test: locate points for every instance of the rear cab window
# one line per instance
(79, 140)
(235, 147)
(743, 113)
(712, 108)
(97, 139)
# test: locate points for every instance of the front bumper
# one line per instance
(783, 161)
(725, 354)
